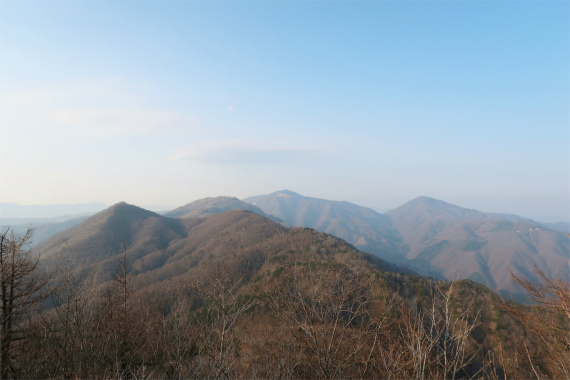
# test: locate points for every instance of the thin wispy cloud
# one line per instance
(108, 91)
(243, 152)
(27, 97)
(101, 109)
(104, 122)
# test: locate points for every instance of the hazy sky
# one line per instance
(375, 103)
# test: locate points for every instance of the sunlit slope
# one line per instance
(362, 227)
(214, 205)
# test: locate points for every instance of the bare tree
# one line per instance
(21, 287)
(226, 299)
(128, 327)
(419, 338)
(435, 337)
(429, 341)
(454, 332)
(548, 319)
(551, 295)
(179, 343)
(71, 348)
(326, 311)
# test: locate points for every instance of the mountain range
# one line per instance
(434, 238)
(428, 236)
(165, 252)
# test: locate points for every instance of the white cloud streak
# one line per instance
(104, 109)
(243, 152)
(106, 122)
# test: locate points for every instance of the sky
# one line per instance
(372, 102)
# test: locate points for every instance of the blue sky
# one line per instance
(375, 103)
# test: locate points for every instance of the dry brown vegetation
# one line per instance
(548, 319)
(288, 304)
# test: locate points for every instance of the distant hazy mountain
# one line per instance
(433, 237)
(37, 221)
(560, 226)
(43, 228)
(164, 251)
(462, 243)
(13, 210)
(209, 206)
(422, 218)
(362, 227)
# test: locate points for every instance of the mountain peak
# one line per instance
(107, 230)
(430, 201)
(122, 211)
(425, 198)
(435, 208)
(120, 204)
(218, 198)
(213, 205)
(126, 207)
(287, 193)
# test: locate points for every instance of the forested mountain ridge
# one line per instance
(167, 250)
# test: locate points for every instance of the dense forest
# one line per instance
(326, 311)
